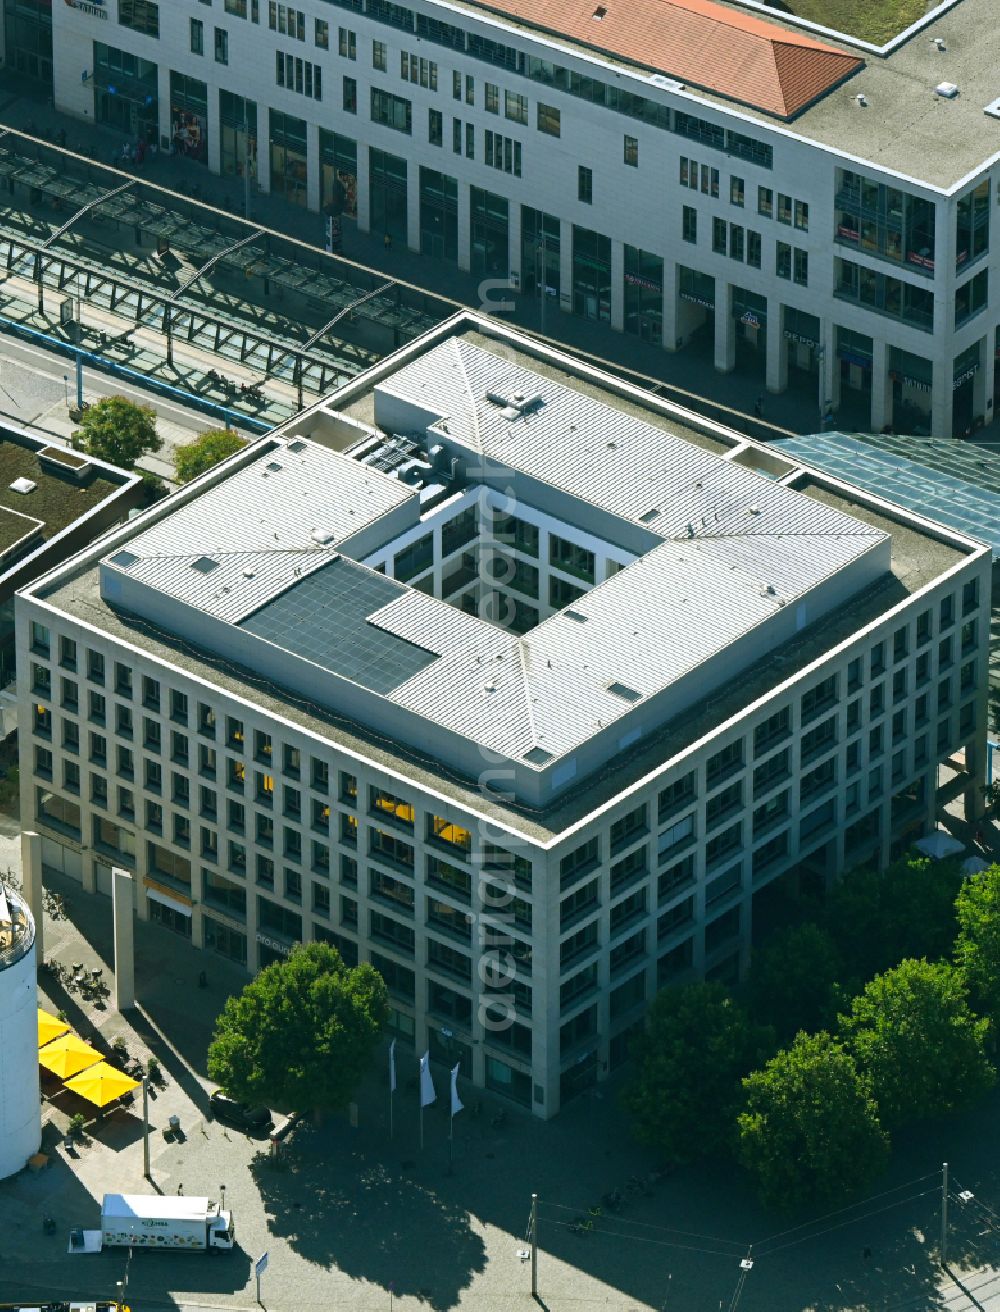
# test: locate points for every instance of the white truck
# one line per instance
(159, 1221)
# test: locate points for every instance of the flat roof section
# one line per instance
(56, 500)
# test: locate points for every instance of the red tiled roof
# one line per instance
(709, 45)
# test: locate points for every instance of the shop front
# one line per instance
(224, 940)
(964, 417)
(750, 313)
(289, 154)
(189, 117)
(801, 335)
(338, 175)
(643, 294)
(912, 387)
(854, 356)
(28, 38)
(125, 92)
(490, 224)
(540, 253)
(696, 308)
(170, 912)
(237, 136)
(591, 274)
(387, 194)
(438, 215)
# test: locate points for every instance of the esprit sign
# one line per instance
(95, 7)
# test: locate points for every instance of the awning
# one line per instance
(102, 1084)
(49, 1027)
(939, 844)
(68, 1056)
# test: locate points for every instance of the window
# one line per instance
(802, 215)
(719, 233)
(515, 107)
(347, 43)
(585, 184)
(800, 267)
(724, 763)
(441, 830)
(736, 245)
(753, 248)
(350, 96)
(689, 224)
(971, 297)
(784, 212)
(470, 89)
(140, 15)
(491, 95)
(675, 797)
(783, 259)
(632, 151)
(95, 661)
(578, 862)
(221, 46)
(736, 191)
(470, 140)
(197, 33)
(765, 201)
(548, 119)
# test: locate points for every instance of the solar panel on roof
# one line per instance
(324, 619)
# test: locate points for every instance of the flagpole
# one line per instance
(451, 1141)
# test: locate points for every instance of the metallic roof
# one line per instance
(729, 548)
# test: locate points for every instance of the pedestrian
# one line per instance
(387, 242)
(180, 1190)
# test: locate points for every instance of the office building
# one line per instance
(799, 204)
(525, 686)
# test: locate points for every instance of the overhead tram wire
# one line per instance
(647, 1225)
(841, 1225)
(863, 1202)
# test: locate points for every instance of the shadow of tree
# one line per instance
(369, 1221)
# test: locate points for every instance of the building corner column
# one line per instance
(881, 411)
(776, 364)
(725, 328)
(31, 880)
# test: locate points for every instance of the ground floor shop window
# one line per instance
(505, 1079)
(540, 252)
(387, 194)
(125, 92)
(237, 136)
(438, 215)
(490, 223)
(288, 157)
(28, 31)
(338, 164)
(170, 918)
(227, 942)
(189, 117)
(643, 294)
(591, 274)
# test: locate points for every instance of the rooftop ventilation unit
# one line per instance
(939, 44)
(600, 12)
(947, 90)
(204, 564)
(23, 485)
(296, 446)
(323, 536)
(625, 692)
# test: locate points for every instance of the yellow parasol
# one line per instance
(49, 1027)
(68, 1056)
(101, 1084)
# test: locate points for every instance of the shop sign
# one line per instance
(850, 234)
(964, 377)
(918, 384)
(697, 300)
(273, 944)
(800, 338)
(852, 357)
(750, 319)
(636, 281)
(922, 260)
(95, 7)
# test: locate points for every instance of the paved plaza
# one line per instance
(348, 1215)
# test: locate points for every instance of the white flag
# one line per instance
(427, 1094)
(456, 1103)
(392, 1066)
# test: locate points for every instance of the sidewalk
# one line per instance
(687, 377)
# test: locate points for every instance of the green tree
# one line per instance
(793, 980)
(914, 1038)
(118, 430)
(685, 1087)
(207, 449)
(878, 920)
(810, 1132)
(301, 1034)
(977, 947)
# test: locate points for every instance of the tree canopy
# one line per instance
(685, 1088)
(977, 947)
(207, 449)
(301, 1034)
(118, 430)
(913, 1036)
(877, 920)
(810, 1133)
(793, 980)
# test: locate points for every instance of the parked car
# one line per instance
(256, 1120)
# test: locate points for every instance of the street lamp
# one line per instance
(222, 1192)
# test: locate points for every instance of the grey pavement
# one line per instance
(346, 1213)
(687, 377)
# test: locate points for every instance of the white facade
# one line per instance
(924, 362)
(524, 942)
(20, 1105)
